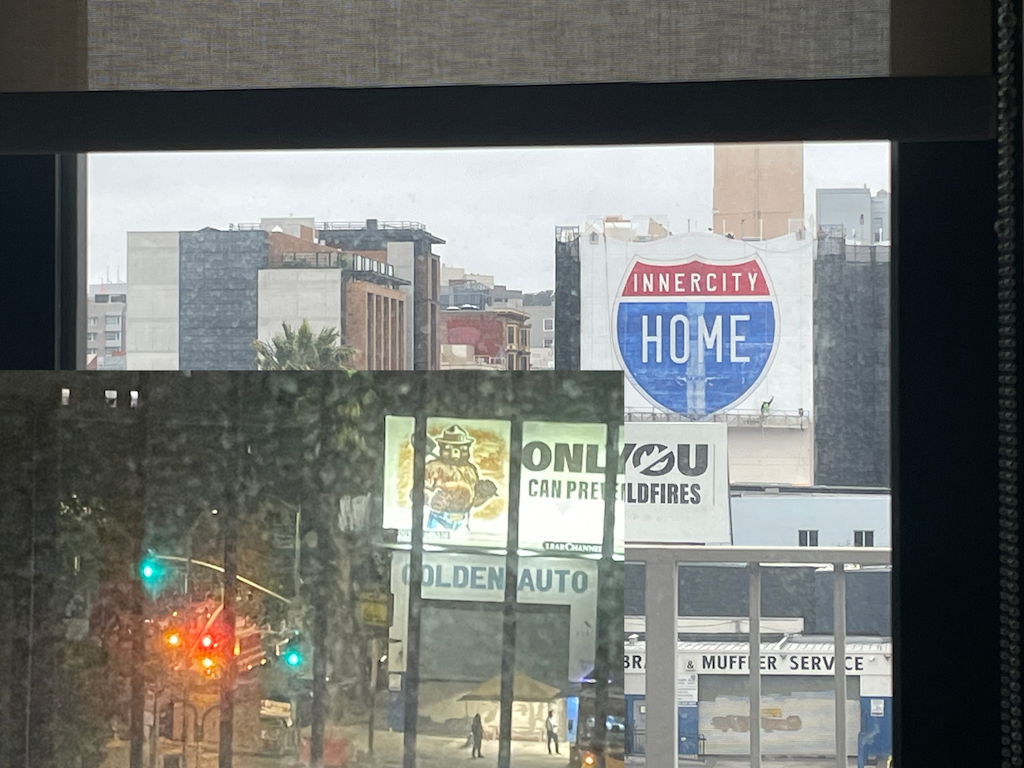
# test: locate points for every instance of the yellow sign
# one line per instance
(373, 609)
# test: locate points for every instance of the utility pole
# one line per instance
(137, 684)
(510, 602)
(230, 592)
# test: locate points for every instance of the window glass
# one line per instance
(231, 574)
(738, 287)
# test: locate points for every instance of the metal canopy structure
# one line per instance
(661, 565)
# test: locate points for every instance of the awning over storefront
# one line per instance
(524, 689)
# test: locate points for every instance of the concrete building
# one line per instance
(861, 217)
(408, 247)
(204, 297)
(465, 293)
(105, 326)
(852, 326)
(463, 289)
(358, 296)
(820, 517)
(758, 190)
(498, 337)
(542, 336)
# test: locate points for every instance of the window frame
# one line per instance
(944, 202)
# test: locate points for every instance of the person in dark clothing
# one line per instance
(478, 735)
(552, 728)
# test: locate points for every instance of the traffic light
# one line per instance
(152, 573)
(292, 653)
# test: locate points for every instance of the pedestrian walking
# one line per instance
(552, 728)
(478, 735)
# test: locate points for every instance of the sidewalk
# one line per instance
(739, 762)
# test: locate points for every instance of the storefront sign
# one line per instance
(677, 483)
(770, 664)
(462, 576)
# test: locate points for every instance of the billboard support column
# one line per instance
(839, 643)
(412, 653)
(603, 658)
(755, 664)
(661, 611)
(508, 637)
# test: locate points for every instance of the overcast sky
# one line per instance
(495, 208)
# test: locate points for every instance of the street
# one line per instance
(432, 751)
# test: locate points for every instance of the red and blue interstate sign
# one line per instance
(696, 336)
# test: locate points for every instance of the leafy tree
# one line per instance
(301, 350)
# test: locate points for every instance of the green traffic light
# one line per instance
(293, 659)
(150, 571)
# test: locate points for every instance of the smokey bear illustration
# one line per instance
(452, 481)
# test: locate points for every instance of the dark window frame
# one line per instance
(944, 204)
(864, 538)
(807, 538)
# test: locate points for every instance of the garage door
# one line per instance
(797, 715)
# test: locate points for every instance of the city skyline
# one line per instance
(521, 193)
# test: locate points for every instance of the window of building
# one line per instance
(101, 298)
(863, 538)
(549, 324)
(524, 362)
(524, 337)
(549, 343)
(118, 297)
(91, 351)
(94, 321)
(91, 337)
(113, 319)
(808, 538)
(113, 335)
(511, 362)
(510, 334)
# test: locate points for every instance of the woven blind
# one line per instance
(142, 44)
(228, 44)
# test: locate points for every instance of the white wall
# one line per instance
(151, 319)
(401, 256)
(775, 455)
(775, 520)
(293, 295)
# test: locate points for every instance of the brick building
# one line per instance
(497, 337)
(408, 247)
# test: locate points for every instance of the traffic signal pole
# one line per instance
(230, 591)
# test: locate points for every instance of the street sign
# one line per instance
(373, 609)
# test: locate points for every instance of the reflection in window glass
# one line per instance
(226, 569)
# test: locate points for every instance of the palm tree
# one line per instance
(301, 350)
